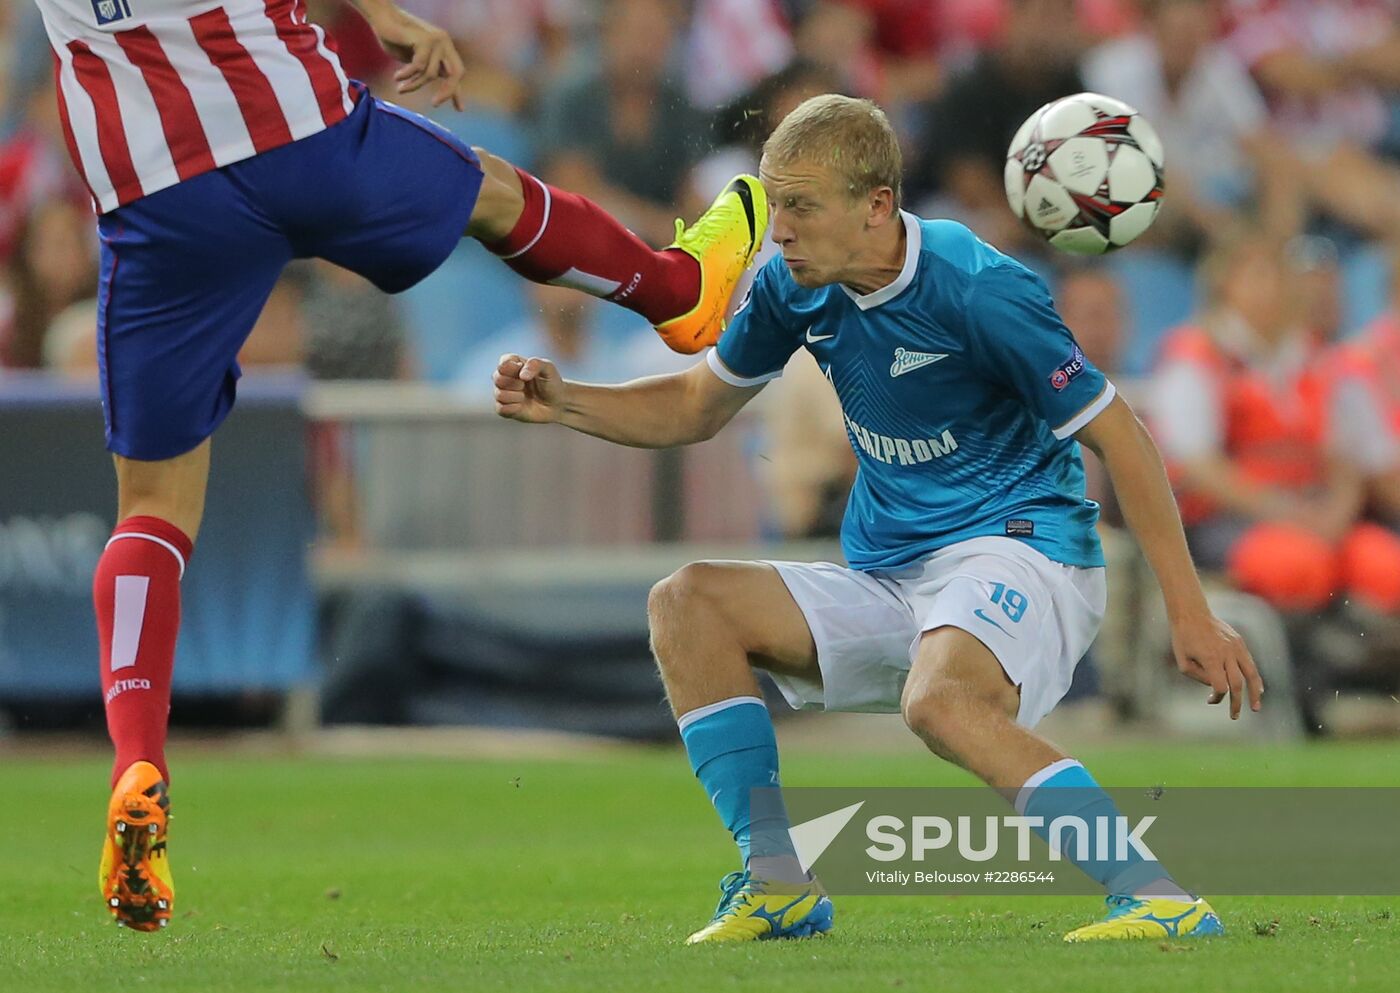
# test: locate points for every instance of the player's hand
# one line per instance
(430, 57)
(1211, 652)
(529, 390)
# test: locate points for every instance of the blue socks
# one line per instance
(1065, 789)
(733, 750)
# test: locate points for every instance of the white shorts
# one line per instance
(1037, 616)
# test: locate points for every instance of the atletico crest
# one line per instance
(109, 11)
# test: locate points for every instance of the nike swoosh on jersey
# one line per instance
(813, 339)
(993, 623)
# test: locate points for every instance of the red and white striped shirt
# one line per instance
(153, 92)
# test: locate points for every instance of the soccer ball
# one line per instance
(1085, 173)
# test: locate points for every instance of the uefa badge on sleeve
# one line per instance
(1067, 370)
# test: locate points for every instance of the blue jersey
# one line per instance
(960, 386)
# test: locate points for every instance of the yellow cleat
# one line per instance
(754, 910)
(1130, 917)
(134, 875)
(724, 240)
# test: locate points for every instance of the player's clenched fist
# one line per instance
(528, 390)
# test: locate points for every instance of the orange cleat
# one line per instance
(134, 875)
(724, 240)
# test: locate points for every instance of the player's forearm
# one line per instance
(655, 412)
(1140, 481)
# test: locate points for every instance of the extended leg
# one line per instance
(549, 235)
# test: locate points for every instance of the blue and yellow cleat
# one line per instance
(756, 910)
(1130, 917)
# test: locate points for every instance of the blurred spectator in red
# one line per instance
(970, 126)
(1090, 302)
(1241, 416)
(732, 46)
(33, 165)
(625, 135)
(907, 37)
(840, 37)
(54, 266)
(1223, 158)
(1110, 18)
(1326, 67)
(1365, 408)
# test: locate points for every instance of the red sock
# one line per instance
(136, 594)
(568, 240)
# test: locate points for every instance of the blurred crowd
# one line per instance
(1258, 321)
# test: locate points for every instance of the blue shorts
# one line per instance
(186, 271)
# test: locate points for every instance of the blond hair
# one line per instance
(851, 136)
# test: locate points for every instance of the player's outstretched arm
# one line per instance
(426, 50)
(655, 412)
(1207, 649)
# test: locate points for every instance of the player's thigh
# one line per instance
(386, 193)
(184, 275)
(952, 668)
(751, 604)
(1035, 617)
(861, 628)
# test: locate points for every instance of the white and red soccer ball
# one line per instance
(1085, 173)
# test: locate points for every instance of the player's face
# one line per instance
(818, 225)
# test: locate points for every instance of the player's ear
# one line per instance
(880, 206)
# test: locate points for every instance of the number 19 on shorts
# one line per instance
(1012, 602)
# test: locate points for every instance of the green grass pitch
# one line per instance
(347, 875)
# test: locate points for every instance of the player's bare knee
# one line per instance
(687, 590)
(934, 713)
(693, 602)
